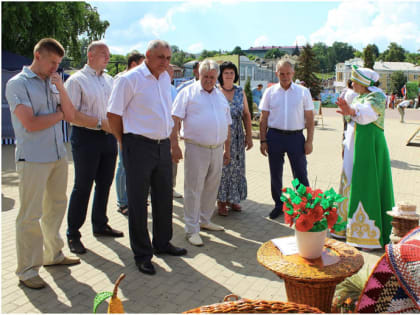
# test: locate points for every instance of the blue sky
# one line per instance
(213, 25)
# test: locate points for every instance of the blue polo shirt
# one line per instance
(46, 145)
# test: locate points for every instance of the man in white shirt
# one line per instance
(139, 112)
(93, 146)
(287, 109)
(205, 114)
(401, 107)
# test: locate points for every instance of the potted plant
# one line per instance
(312, 212)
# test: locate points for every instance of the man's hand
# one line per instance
(226, 157)
(308, 147)
(105, 126)
(176, 153)
(264, 148)
(55, 79)
(60, 110)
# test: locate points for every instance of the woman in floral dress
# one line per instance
(233, 186)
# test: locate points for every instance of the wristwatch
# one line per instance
(99, 124)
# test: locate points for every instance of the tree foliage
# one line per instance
(274, 54)
(25, 23)
(305, 70)
(237, 51)
(393, 53)
(117, 63)
(328, 57)
(208, 53)
(370, 53)
(398, 80)
(248, 94)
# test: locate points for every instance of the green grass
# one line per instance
(324, 76)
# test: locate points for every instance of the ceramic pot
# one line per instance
(310, 244)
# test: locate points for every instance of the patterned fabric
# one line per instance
(233, 186)
(404, 259)
(377, 100)
(393, 284)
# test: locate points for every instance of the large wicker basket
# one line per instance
(402, 226)
(254, 306)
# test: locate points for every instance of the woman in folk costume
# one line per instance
(367, 179)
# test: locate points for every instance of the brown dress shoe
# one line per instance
(34, 283)
(236, 207)
(67, 261)
(222, 210)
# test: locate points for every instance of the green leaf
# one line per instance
(296, 200)
(295, 182)
(302, 189)
(283, 198)
(99, 298)
(290, 212)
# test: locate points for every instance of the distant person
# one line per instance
(233, 185)
(287, 109)
(38, 103)
(196, 65)
(402, 106)
(393, 100)
(139, 111)
(134, 59)
(257, 94)
(205, 115)
(366, 165)
(94, 148)
(174, 92)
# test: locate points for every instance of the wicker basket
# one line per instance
(402, 226)
(254, 306)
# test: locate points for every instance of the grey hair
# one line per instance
(208, 65)
(153, 44)
(284, 62)
(96, 43)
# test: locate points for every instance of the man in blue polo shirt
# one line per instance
(34, 96)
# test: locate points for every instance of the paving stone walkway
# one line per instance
(225, 264)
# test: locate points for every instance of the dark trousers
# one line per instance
(294, 146)
(94, 156)
(148, 165)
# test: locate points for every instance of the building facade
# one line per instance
(383, 68)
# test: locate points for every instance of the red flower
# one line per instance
(304, 223)
(332, 217)
(317, 213)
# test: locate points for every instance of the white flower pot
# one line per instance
(310, 244)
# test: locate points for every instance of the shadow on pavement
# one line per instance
(404, 165)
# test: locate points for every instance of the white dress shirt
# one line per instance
(144, 103)
(206, 116)
(286, 107)
(90, 92)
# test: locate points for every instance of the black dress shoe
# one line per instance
(275, 213)
(76, 246)
(146, 267)
(171, 250)
(108, 231)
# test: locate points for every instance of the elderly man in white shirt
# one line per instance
(205, 114)
(139, 112)
(93, 146)
(287, 109)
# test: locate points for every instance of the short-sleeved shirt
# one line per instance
(256, 96)
(206, 116)
(90, 92)
(144, 103)
(185, 84)
(286, 107)
(42, 146)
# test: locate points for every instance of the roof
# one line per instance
(11, 61)
(273, 47)
(384, 65)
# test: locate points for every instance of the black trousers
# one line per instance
(94, 156)
(148, 165)
(294, 146)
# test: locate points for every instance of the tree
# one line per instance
(394, 53)
(412, 58)
(398, 80)
(180, 57)
(305, 70)
(117, 63)
(321, 51)
(248, 94)
(208, 53)
(274, 54)
(237, 51)
(296, 51)
(25, 23)
(370, 53)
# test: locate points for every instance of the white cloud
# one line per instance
(261, 41)
(196, 48)
(125, 49)
(160, 25)
(363, 22)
